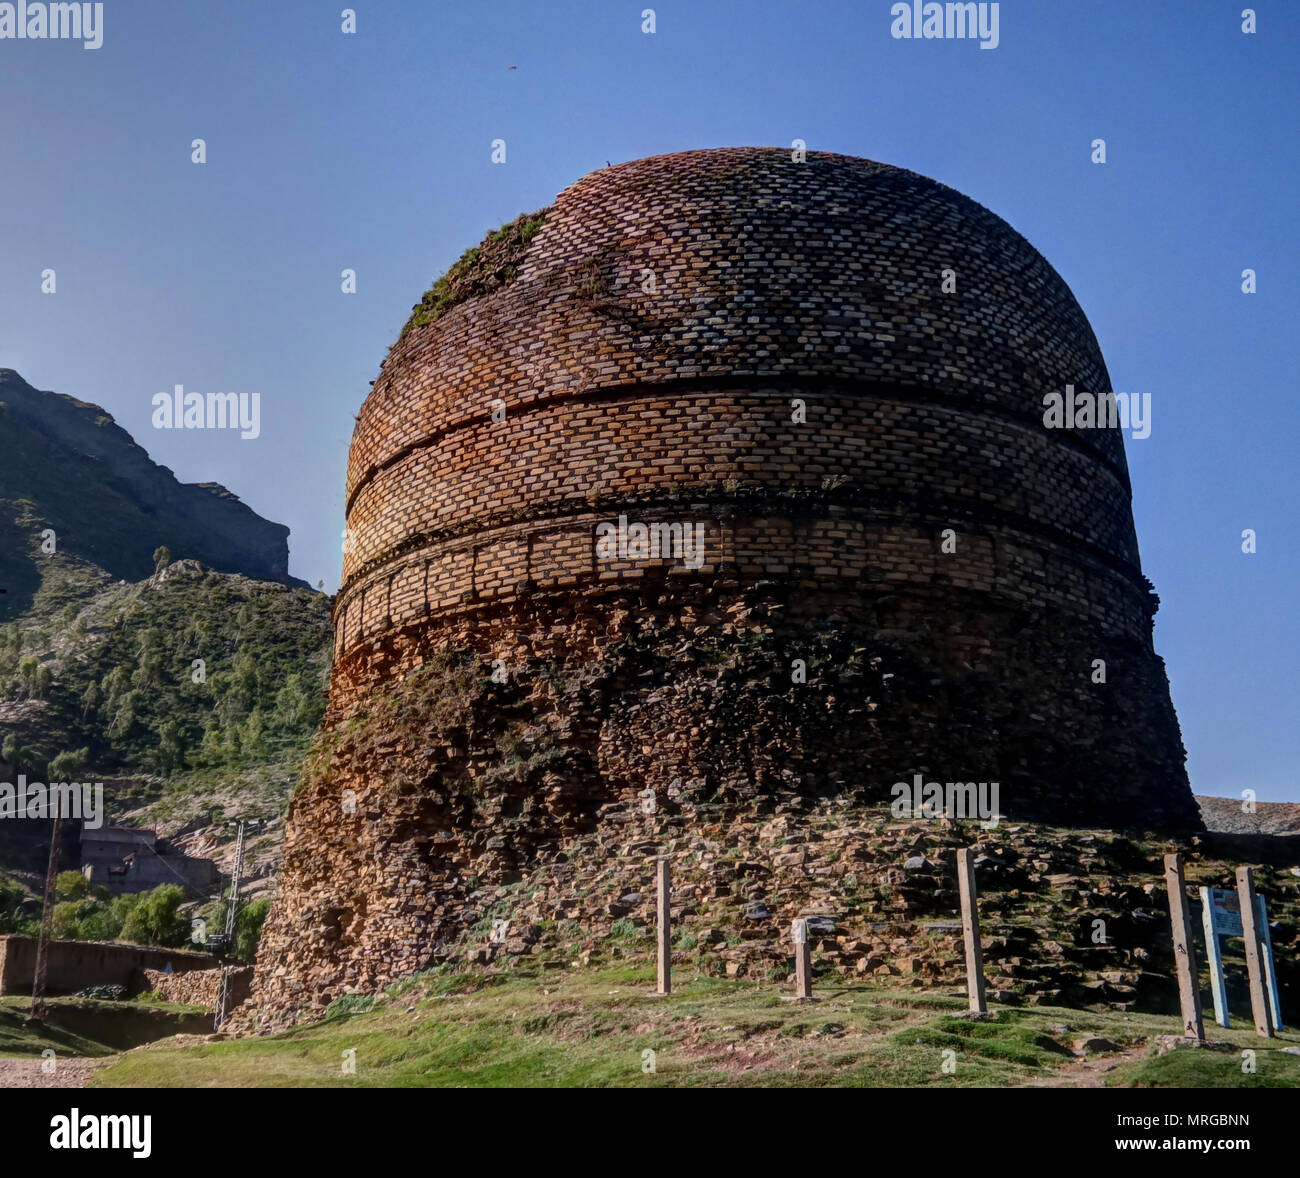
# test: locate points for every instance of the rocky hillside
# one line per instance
(71, 469)
(1227, 816)
(187, 680)
(191, 694)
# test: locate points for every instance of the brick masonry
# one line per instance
(500, 437)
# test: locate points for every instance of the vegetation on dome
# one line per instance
(489, 267)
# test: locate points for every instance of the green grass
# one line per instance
(20, 1038)
(92, 1027)
(590, 1030)
(1216, 1066)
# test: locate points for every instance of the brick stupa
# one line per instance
(901, 570)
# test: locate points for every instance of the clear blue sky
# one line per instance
(371, 151)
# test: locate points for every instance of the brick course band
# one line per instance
(672, 394)
(562, 452)
(502, 563)
(559, 458)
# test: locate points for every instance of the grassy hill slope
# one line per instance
(594, 1028)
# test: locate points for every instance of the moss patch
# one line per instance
(487, 268)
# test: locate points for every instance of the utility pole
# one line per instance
(234, 886)
(47, 919)
(228, 940)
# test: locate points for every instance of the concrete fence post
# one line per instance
(970, 928)
(1189, 996)
(802, 959)
(665, 930)
(1259, 1005)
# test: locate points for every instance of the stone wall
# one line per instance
(432, 786)
(199, 987)
(882, 892)
(75, 965)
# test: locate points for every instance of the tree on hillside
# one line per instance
(71, 885)
(290, 703)
(155, 920)
(14, 752)
(244, 684)
(64, 922)
(248, 925)
(254, 736)
(98, 921)
(149, 660)
(12, 917)
(88, 916)
(67, 764)
(210, 750)
(123, 715)
(34, 677)
(162, 557)
(114, 685)
(248, 929)
(297, 707)
(170, 754)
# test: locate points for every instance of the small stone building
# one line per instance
(127, 859)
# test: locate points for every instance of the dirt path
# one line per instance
(1090, 1071)
(68, 1073)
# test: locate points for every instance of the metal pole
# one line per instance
(1214, 952)
(223, 986)
(1270, 975)
(234, 886)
